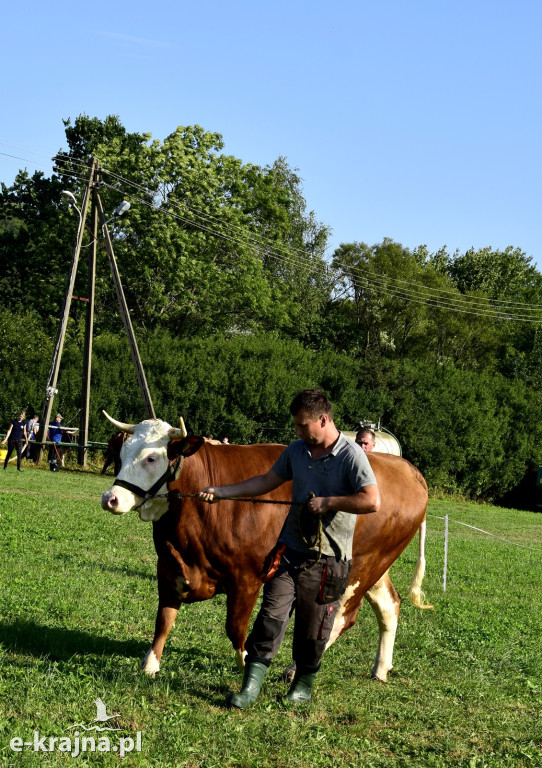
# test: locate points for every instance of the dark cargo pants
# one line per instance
(314, 590)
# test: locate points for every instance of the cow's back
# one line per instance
(236, 537)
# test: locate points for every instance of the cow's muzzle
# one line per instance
(110, 502)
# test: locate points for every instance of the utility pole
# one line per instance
(89, 328)
(51, 390)
(125, 315)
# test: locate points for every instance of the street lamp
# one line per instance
(71, 197)
(119, 210)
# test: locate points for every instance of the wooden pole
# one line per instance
(51, 389)
(125, 315)
(89, 328)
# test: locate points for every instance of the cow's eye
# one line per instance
(151, 459)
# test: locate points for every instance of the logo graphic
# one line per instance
(101, 717)
(76, 743)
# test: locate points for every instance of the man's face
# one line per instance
(366, 442)
(308, 429)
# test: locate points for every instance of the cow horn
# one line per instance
(130, 428)
(178, 433)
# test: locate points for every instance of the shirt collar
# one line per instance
(339, 442)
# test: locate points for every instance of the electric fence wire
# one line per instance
(360, 278)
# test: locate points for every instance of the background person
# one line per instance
(366, 438)
(55, 436)
(310, 574)
(15, 437)
(32, 427)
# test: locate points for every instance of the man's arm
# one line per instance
(366, 500)
(8, 433)
(254, 486)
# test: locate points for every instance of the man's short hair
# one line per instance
(314, 402)
(366, 431)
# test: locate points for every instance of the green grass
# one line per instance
(77, 609)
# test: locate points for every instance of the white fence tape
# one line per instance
(474, 528)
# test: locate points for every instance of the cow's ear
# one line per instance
(185, 447)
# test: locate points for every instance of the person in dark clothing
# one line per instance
(15, 437)
(334, 475)
(32, 426)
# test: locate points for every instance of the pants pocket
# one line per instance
(326, 625)
(334, 580)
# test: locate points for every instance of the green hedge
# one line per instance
(470, 433)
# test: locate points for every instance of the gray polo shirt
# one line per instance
(341, 472)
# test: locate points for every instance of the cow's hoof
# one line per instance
(240, 659)
(381, 677)
(150, 664)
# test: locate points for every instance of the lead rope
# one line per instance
(318, 536)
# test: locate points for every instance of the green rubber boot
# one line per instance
(300, 691)
(252, 683)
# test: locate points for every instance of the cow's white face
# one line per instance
(144, 461)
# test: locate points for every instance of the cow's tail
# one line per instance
(417, 596)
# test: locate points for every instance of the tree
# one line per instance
(36, 243)
(209, 243)
(392, 302)
(513, 286)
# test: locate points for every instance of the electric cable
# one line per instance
(297, 258)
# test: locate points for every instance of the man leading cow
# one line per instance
(334, 480)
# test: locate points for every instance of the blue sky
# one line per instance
(418, 120)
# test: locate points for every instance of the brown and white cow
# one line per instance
(206, 549)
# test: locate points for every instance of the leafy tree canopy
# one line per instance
(209, 243)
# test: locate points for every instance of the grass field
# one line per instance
(77, 609)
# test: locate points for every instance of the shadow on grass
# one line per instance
(60, 644)
(78, 563)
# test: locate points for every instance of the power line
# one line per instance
(360, 277)
(414, 292)
(359, 270)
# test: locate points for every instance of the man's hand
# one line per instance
(254, 486)
(365, 501)
(318, 505)
(209, 494)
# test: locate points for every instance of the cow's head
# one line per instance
(148, 462)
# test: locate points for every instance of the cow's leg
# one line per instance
(239, 604)
(385, 602)
(165, 618)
